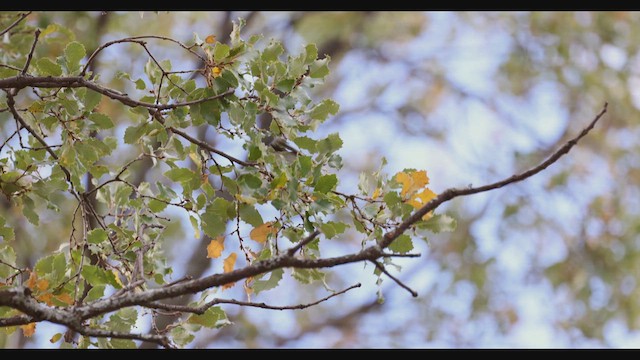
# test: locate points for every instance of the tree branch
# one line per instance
(19, 297)
(15, 23)
(20, 82)
(30, 56)
(201, 309)
(397, 281)
(453, 192)
(303, 242)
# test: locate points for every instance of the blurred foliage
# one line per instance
(559, 252)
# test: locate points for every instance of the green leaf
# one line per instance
(94, 275)
(181, 336)
(272, 282)
(156, 206)
(123, 320)
(91, 100)
(123, 344)
(311, 51)
(6, 232)
(330, 144)
(402, 244)
(250, 215)
(74, 52)
(326, 183)
(439, 223)
(96, 236)
(48, 67)
(220, 52)
(95, 293)
(140, 84)
(331, 229)
(319, 68)
(306, 143)
(272, 51)
(250, 181)
(214, 317)
(196, 228)
(7, 256)
(28, 209)
(133, 133)
(180, 174)
(307, 276)
(104, 122)
(324, 109)
(212, 224)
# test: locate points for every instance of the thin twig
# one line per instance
(201, 309)
(15, 23)
(453, 192)
(30, 56)
(402, 285)
(156, 115)
(303, 242)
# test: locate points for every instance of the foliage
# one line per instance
(66, 148)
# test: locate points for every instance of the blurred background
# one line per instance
(471, 97)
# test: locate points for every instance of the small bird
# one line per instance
(279, 143)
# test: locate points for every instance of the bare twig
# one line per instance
(453, 192)
(30, 56)
(15, 23)
(303, 242)
(156, 115)
(402, 285)
(201, 309)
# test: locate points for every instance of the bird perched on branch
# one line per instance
(279, 143)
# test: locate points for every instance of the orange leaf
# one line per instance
(260, 233)
(45, 298)
(28, 329)
(31, 283)
(65, 298)
(210, 39)
(228, 265)
(215, 247)
(412, 181)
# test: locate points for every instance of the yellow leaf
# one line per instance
(215, 247)
(260, 233)
(228, 265)
(420, 199)
(229, 262)
(55, 338)
(115, 274)
(210, 39)
(216, 71)
(376, 193)
(28, 329)
(412, 182)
